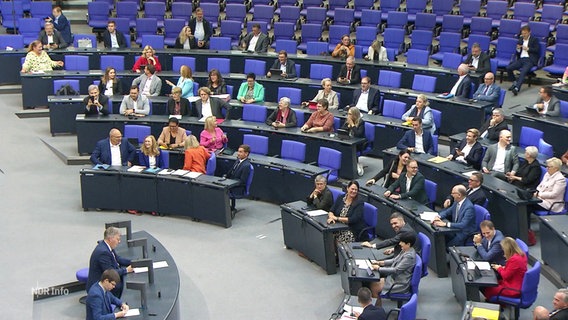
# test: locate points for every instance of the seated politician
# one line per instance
(287, 66)
(460, 215)
(150, 155)
(113, 38)
(400, 227)
(114, 150)
(149, 83)
(547, 103)
(366, 98)
(462, 87)
(104, 257)
(95, 103)
(283, 116)
(326, 93)
(321, 120)
(196, 156)
(212, 137)
(135, 104)
(501, 159)
(51, 38)
(511, 275)
(469, 151)
(417, 140)
(474, 192)
(488, 91)
(349, 210)
(321, 198)
(493, 126)
(172, 135)
(110, 84)
(210, 106)
(251, 91)
(240, 172)
(370, 311)
(421, 110)
(410, 185)
(177, 105)
(350, 73)
(529, 172)
(393, 170)
(487, 244)
(100, 299)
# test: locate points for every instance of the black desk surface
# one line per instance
(166, 281)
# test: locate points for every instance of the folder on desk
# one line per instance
(437, 159)
(483, 313)
(136, 169)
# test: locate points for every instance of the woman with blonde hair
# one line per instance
(328, 94)
(150, 155)
(195, 155)
(355, 125)
(212, 138)
(185, 39)
(38, 60)
(421, 110)
(145, 59)
(511, 274)
(110, 84)
(376, 52)
(185, 82)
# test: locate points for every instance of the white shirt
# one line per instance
(419, 143)
(500, 159)
(252, 43)
(206, 109)
(465, 151)
(475, 61)
(525, 53)
(113, 40)
(545, 106)
(455, 87)
(116, 159)
(186, 44)
(49, 39)
(362, 103)
(108, 90)
(152, 161)
(408, 182)
(199, 32)
(283, 67)
(146, 90)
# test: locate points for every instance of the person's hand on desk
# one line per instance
(278, 124)
(120, 314)
(439, 223)
(410, 149)
(496, 266)
(128, 112)
(394, 196)
(60, 63)
(129, 269)
(331, 218)
(370, 182)
(367, 244)
(124, 307)
(389, 251)
(485, 170)
(269, 74)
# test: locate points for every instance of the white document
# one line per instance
(482, 265)
(351, 309)
(132, 312)
(136, 169)
(157, 265)
(363, 264)
(194, 98)
(428, 215)
(165, 172)
(468, 173)
(180, 172)
(225, 97)
(193, 175)
(315, 213)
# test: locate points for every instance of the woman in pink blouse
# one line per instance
(321, 120)
(212, 138)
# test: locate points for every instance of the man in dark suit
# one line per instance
(61, 24)
(255, 41)
(560, 304)
(100, 298)
(411, 185)
(547, 103)
(509, 164)
(478, 61)
(399, 226)
(493, 126)
(178, 105)
(469, 151)
(51, 38)
(528, 54)
(287, 66)
(370, 311)
(474, 192)
(488, 91)
(104, 257)
(202, 30)
(114, 150)
(240, 171)
(350, 73)
(462, 87)
(208, 105)
(460, 215)
(488, 244)
(113, 38)
(366, 98)
(95, 103)
(416, 140)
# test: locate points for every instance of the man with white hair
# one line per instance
(560, 304)
(462, 87)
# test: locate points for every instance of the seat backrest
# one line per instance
(181, 10)
(480, 214)
(523, 246)
(220, 43)
(165, 155)
(509, 27)
(336, 193)
(496, 9)
(290, 46)
(425, 248)
(545, 148)
(293, 150)
(117, 62)
(417, 56)
(320, 71)
(369, 132)
(529, 289)
(330, 159)
(424, 83)
(77, 37)
(416, 275)
(314, 48)
(172, 27)
(523, 11)
(564, 108)
(409, 309)
(295, 94)
(221, 64)
(76, 63)
(232, 29)
(155, 41)
(254, 112)
(258, 144)
(431, 190)
(139, 132)
(370, 18)
(437, 115)
(529, 137)
(370, 215)
(283, 30)
(211, 165)
(389, 78)
(57, 84)
(452, 23)
(178, 61)
(249, 180)
(255, 66)
(15, 41)
(235, 11)
(393, 109)
(425, 21)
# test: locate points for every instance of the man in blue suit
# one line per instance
(488, 91)
(100, 299)
(528, 54)
(460, 215)
(240, 171)
(488, 244)
(417, 140)
(114, 150)
(104, 257)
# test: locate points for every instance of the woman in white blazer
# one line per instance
(552, 187)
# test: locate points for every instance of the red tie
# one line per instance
(349, 74)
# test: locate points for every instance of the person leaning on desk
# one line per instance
(321, 120)
(114, 150)
(95, 103)
(326, 93)
(37, 60)
(411, 185)
(400, 227)
(135, 104)
(100, 299)
(393, 170)
(287, 66)
(460, 215)
(196, 156)
(547, 103)
(321, 198)
(283, 116)
(349, 210)
(487, 244)
(421, 110)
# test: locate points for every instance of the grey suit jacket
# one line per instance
(155, 86)
(261, 44)
(57, 39)
(511, 158)
(141, 105)
(399, 271)
(553, 106)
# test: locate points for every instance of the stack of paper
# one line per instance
(314, 213)
(438, 159)
(481, 265)
(136, 169)
(428, 215)
(157, 265)
(180, 172)
(193, 175)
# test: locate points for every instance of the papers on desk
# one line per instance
(177, 116)
(484, 313)
(157, 265)
(166, 172)
(194, 98)
(363, 264)
(349, 310)
(428, 215)
(225, 97)
(136, 169)
(180, 172)
(482, 265)
(80, 117)
(132, 312)
(101, 166)
(437, 159)
(193, 175)
(315, 213)
(445, 96)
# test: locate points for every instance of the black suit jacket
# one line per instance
(530, 174)
(57, 39)
(560, 315)
(464, 88)
(371, 312)
(93, 110)
(354, 214)
(483, 66)
(534, 49)
(240, 173)
(102, 259)
(409, 141)
(475, 154)
(372, 102)
(493, 132)
(290, 68)
(116, 87)
(477, 197)
(216, 106)
(417, 188)
(184, 107)
(355, 74)
(119, 38)
(206, 28)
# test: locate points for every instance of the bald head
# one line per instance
(115, 136)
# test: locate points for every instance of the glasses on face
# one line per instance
(414, 168)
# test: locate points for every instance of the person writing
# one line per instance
(411, 185)
(393, 170)
(172, 136)
(196, 156)
(349, 210)
(321, 198)
(100, 298)
(487, 244)
(511, 275)
(95, 102)
(37, 60)
(283, 117)
(212, 137)
(321, 120)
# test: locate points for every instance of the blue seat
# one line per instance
(76, 63)
(15, 41)
(425, 248)
(330, 159)
(479, 25)
(117, 62)
(545, 148)
(530, 137)
(41, 9)
(299, 117)
(393, 109)
(509, 28)
(549, 212)
(387, 7)
(283, 31)
(505, 53)
(293, 150)
(258, 144)
(529, 290)
(370, 136)
(153, 40)
(559, 61)
(314, 14)
(397, 20)
(413, 7)
(394, 39)
(370, 18)
(29, 28)
(254, 112)
(282, 3)
(57, 84)
(523, 246)
(365, 37)
(165, 154)
(424, 83)
(551, 14)
(146, 26)
(220, 43)
(370, 215)
(449, 43)
(311, 32)
(134, 131)
(431, 188)
(181, 10)
(211, 13)
(172, 28)
(97, 14)
(320, 71)
(469, 9)
(77, 37)
(336, 193)
(452, 23)
(290, 46)
(295, 94)
(497, 11)
(417, 56)
(437, 115)
(221, 64)
(481, 214)
(422, 39)
(128, 10)
(524, 11)
(211, 165)
(178, 61)
(155, 10)
(561, 37)
(314, 48)
(231, 29)
(389, 79)
(336, 32)
(236, 12)
(441, 8)
(414, 283)
(257, 67)
(12, 11)
(451, 60)
(540, 30)
(424, 21)
(342, 16)
(360, 5)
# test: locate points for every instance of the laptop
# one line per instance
(343, 134)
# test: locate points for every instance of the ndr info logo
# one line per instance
(49, 291)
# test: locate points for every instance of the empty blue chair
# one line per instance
(211, 165)
(360, 5)
(257, 67)
(220, 43)
(408, 310)
(314, 15)
(497, 11)
(165, 154)
(231, 29)
(370, 215)
(441, 8)
(479, 25)
(289, 14)
(211, 13)
(424, 83)
(300, 120)
(469, 9)
(394, 39)
(15, 41)
(524, 11)
(57, 84)
(387, 7)
(529, 137)
(422, 39)
(330, 159)
(310, 33)
(77, 37)
(393, 109)
(342, 16)
(425, 21)
(365, 37)
(263, 13)
(552, 14)
(431, 190)
(451, 60)
(413, 7)
(258, 144)
(134, 131)
(559, 61)
(540, 30)
(425, 247)
(254, 112)
(290, 46)
(416, 56)
(76, 63)
(155, 10)
(389, 79)
(370, 18)
(235, 12)
(397, 19)
(41, 9)
(370, 136)
(12, 11)
(293, 150)
(177, 62)
(221, 64)
(523, 246)
(509, 28)
(128, 10)
(320, 71)
(452, 23)
(29, 28)
(154, 40)
(172, 28)
(334, 6)
(505, 51)
(146, 26)
(314, 48)
(294, 94)
(181, 10)
(98, 13)
(117, 62)
(449, 43)
(283, 31)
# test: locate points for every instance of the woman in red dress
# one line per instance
(512, 273)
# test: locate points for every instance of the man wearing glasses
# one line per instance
(501, 159)
(100, 299)
(474, 192)
(461, 215)
(488, 91)
(366, 98)
(411, 185)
